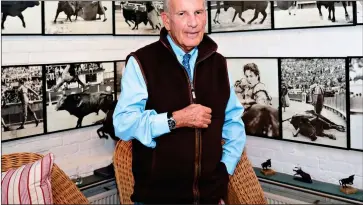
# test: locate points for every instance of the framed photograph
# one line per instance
(21, 18)
(359, 12)
(78, 94)
(356, 102)
(140, 18)
(21, 101)
(120, 66)
(256, 85)
(307, 14)
(78, 18)
(228, 16)
(313, 96)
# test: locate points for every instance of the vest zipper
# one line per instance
(198, 138)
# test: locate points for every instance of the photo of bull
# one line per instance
(82, 104)
(70, 8)
(330, 5)
(15, 9)
(142, 12)
(312, 125)
(310, 13)
(241, 6)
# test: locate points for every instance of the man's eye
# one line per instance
(180, 13)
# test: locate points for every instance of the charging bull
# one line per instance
(312, 125)
(83, 104)
(15, 8)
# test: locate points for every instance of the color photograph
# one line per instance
(21, 17)
(296, 14)
(240, 15)
(356, 102)
(21, 102)
(78, 94)
(78, 17)
(120, 66)
(256, 85)
(313, 96)
(140, 17)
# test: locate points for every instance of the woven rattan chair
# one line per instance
(64, 191)
(244, 187)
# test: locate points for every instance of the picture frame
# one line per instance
(258, 93)
(240, 24)
(310, 92)
(93, 18)
(28, 20)
(288, 15)
(354, 101)
(22, 102)
(88, 91)
(119, 68)
(124, 27)
(358, 10)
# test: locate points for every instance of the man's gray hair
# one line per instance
(166, 4)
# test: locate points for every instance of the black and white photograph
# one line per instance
(359, 12)
(356, 102)
(313, 101)
(120, 66)
(78, 17)
(306, 14)
(78, 94)
(256, 85)
(140, 17)
(21, 101)
(21, 17)
(229, 16)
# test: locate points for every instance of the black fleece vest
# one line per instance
(185, 165)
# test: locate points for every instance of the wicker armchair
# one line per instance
(244, 187)
(63, 189)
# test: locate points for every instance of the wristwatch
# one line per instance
(171, 121)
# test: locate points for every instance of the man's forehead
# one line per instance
(178, 5)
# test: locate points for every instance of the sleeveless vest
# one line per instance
(184, 167)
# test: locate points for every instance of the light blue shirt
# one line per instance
(132, 121)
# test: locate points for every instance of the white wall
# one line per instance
(73, 147)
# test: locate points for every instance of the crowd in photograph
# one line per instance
(303, 73)
(32, 77)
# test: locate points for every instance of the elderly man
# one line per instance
(177, 105)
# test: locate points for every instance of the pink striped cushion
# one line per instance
(28, 184)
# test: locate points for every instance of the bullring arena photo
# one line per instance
(93, 17)
(314, 100)
(78, 94)
(289, 14)
(21, 101)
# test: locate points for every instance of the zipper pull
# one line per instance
(193, 93)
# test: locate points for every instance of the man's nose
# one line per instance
(192, 21)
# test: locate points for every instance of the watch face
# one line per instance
(171, 123)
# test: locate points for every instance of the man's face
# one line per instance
(186, 22)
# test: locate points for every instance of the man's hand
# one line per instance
(195, 115)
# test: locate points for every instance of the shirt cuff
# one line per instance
(230, 162)
(159, 124)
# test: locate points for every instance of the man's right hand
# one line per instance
(195, 116)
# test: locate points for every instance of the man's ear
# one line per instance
(166, 20)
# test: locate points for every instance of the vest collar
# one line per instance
(205, 49)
